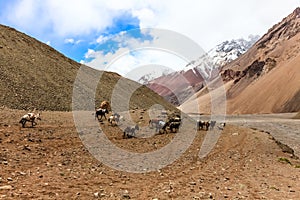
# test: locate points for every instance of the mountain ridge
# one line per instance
(178, 86)
(266, 78)
(36, 76)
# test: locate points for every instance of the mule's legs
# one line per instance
(33, 123)
(23, 123)
(157, 128)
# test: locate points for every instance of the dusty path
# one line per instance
(280, 126)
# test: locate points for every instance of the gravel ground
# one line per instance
(281, 126)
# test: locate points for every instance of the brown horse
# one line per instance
(105, 105)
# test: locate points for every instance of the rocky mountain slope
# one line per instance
(34, 75)
(178, 86)
(266, 79)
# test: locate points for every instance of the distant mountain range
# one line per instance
(265, 79)
(171, 85)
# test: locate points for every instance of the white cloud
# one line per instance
(125, 61)
(211, 22)
(102, 39)
(91, 54)
(69, 41)
(208, 22)
(146, 17)
(134, 54)
(70, 17)
(72, 41)
(78, 17)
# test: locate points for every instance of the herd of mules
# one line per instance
(172, 122)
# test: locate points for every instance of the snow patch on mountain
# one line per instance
(221, 55)
(153, 74)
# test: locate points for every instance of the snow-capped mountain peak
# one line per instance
(208, 63)
(197, 72)
(221, 55)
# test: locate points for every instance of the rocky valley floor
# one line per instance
(50, 161)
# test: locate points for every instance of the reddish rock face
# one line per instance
(178, 86)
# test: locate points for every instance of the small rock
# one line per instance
(102, 195)
(26, 147)
(226, 179)
(228, 188)
(99, 195)
(22, 173)
(192, 183)
(9, 179)
(6, 187)
(126, 194)
(96, 194)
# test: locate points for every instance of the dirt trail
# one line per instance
(51, 162)
(281, 126)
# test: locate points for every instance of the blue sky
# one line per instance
(85, 29)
